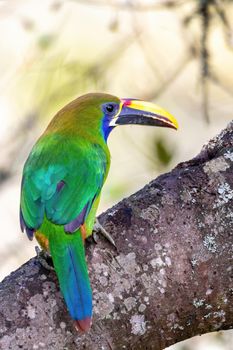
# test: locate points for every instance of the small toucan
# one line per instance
(62, 182)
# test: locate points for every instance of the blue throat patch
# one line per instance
(106, 129)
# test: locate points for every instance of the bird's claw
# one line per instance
(43, 258)
(98, 228)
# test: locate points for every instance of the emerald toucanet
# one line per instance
(62, 182)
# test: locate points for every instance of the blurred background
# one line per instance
(178, 54)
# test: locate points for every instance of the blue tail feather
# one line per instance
(70, 264)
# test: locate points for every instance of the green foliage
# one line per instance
(45, 41)
(162, 153)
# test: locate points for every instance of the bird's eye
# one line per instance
(110, 108)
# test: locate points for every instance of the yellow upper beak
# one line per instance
(143, 113)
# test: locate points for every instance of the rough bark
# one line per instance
(169, 279)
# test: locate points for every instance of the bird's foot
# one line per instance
(98, 228)
(44, 258)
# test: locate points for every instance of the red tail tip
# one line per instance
(83, 325)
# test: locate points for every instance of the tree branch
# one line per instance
(169, 279)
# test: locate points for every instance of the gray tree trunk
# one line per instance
(169, 279)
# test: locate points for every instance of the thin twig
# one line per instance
(204, 56)
(131, 6)
(226, 25)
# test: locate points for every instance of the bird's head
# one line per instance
(127, 111)
(103, 112)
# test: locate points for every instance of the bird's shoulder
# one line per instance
(59, 151)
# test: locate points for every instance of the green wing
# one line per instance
(61, 179)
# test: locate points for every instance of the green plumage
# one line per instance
(81, 165)
(62, 182)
